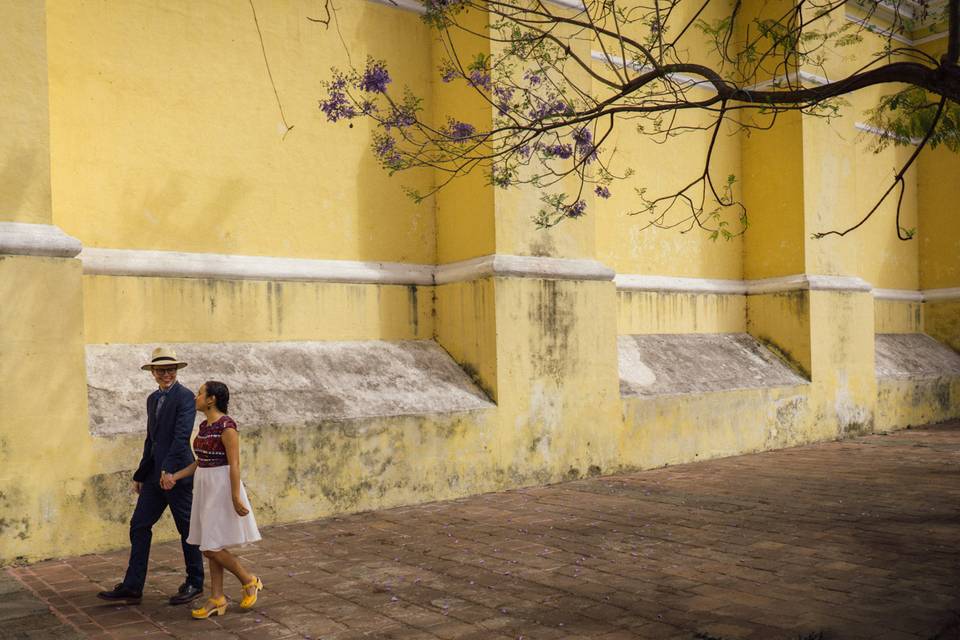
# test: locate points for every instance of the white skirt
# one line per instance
(214, 524)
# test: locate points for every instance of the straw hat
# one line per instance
(163, 357)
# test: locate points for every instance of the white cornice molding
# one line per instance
(521, 267)
(951, 293)
(804, 282)
(172, 264)
(797, 282)
(407, 5)
(899, 295)
(883, 133)
(664, 284)
(691, 82)
(46, 240)
(873, 28)
(417, 6)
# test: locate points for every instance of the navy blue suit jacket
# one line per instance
(167, 445)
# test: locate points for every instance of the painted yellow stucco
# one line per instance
(782, 320)
(153, 310)
(670, 312)
(161, 130)
(466, 327)
(939, 231)
(44, 407)
(892, 316)
(773, 192)
(942, 321)
(168, 134)
(24, 111)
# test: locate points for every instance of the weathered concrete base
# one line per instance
(288, 383)
(673, 429)
(662, 364)
(918, 381)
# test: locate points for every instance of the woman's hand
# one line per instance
(239, 507)
(167, 481)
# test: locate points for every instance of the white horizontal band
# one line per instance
(899, 295)
(408, 5)
(46, 240)
(632, 282)
(952, 293)
(798, 282)
(522, 267)
(804, 282)
(883, 133)
(418, 6)
(171, 264)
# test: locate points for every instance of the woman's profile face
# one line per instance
(201, 401)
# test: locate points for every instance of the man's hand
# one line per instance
(137, 486)
(167, 481)
(239, 507)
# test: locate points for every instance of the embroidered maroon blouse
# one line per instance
(208, 444)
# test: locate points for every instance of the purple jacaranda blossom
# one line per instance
(533, 79)
(479, 78)
(575, 210)
(375, 77)
(548, 108)
(583, 138)
(449, 74)
(399, 117)
(603, 192)
(385, 149)
(460, 131)
(503, 96)
(585, 146)
(563, 151)
(337, 106)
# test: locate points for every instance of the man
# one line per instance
(170, 415)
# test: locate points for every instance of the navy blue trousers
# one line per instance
(150, 506)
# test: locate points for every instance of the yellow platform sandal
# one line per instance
(213, 606)
(250, 591)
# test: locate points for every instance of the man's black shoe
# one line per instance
(121, 593)
(186, 593)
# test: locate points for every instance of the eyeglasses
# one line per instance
(164, 370)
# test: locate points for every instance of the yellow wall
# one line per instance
(629, 245)
(466, 327)
(167, 133)
(773, 189)
(842, 182)
(164, 135)
(659, 312)
(464, 207)
(44, 419)
(891, 316)
(151, 310)
(782, 320)
(25, 143)
(942, 321)
(939, 231)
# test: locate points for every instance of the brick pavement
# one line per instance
(853, 539)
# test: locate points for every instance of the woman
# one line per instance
(221, 515)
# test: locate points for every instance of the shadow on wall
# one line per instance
(16, 176)
(389, 225)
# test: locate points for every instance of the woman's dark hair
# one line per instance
(220, 392)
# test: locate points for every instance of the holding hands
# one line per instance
(167, 481)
